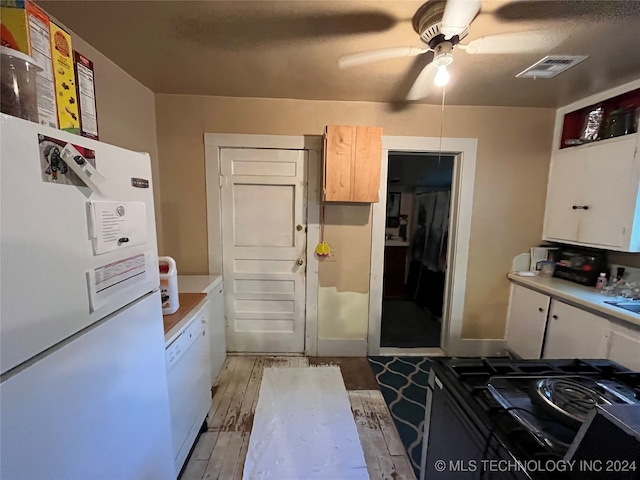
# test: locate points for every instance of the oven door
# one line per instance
(454, 447)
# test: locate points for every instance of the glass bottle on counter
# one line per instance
(609, 288)
(601, 282)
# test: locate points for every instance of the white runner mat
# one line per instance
(303, 428)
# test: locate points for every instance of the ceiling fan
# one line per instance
(441, 26)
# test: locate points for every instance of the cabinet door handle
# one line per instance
(540, 309)
(555, 317)
(580, 207)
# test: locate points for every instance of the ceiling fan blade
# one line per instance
(458, 14)
(423, 83)
(371, 56)
(517, 42)
(234, 25)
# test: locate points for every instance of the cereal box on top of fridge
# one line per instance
(25, 27)
(40, 42)
(65, 81)
(14, 26)
(86, 96)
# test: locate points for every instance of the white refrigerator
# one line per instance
(83, 386)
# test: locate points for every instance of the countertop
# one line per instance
(395, 243)
(198, 283)
(188, 301)
(587, 298)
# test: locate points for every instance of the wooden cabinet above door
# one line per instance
(352, 156)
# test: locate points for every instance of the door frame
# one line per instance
(464, 151)
(213, 143)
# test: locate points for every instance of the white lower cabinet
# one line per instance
(574, 333)
(539, 326)
(624, 346)
(526, 321)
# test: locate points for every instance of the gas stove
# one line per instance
(553, 408)
(521, 410)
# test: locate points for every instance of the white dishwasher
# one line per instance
(212, 286)
(187, 357)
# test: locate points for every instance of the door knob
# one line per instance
(299, 261)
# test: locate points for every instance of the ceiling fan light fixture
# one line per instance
(442, 77)
(442, 54)
(441, 59)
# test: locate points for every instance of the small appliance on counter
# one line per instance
(580, 265)
(542, 254)
(169, 285)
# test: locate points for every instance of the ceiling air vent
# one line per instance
(551, 65)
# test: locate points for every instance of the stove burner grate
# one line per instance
(566, 399)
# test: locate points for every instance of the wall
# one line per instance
(627, 259)
(343, 277)
(514, 147)
(126, 113)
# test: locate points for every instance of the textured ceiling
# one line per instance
(280, 49)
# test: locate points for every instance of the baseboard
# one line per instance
(342, 348)
(468, 347)
(410, 352)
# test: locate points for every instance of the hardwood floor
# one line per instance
(220, 452)
(356, 372)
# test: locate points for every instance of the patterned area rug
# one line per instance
(403, 382)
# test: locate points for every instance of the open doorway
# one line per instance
(464, 151)
(415, 249)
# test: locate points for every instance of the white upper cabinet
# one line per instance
(592, 194)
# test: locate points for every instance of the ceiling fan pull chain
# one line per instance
(444, 88)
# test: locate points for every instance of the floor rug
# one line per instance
(403, 382)
(303, 428)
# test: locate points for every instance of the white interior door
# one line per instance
(264, 248)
